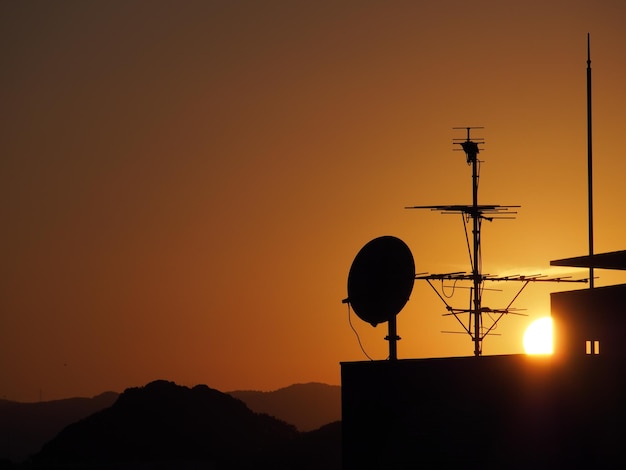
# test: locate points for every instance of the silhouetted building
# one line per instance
(561, 411)
(590, 322)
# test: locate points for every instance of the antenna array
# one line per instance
(477, 213)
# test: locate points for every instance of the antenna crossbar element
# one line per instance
(468, 129)
(536, 278)
(445, 276)
(464, 276)
(479, 211)
(469, 209)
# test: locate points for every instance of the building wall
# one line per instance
(488, 412)
(590, 322)
(561, 411)
(452, 411)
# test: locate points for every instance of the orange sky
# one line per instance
(184, 185)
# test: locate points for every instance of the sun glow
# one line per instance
(538, 337)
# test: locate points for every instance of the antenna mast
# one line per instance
(476, 213)
(471, 151)
(475, 327)
(589, 161)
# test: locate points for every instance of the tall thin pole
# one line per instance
(589, 161)
(476, 274)
(393, 338)
(471, 150)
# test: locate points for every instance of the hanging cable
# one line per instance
(469, 248)
(356, 333)
(443, 290)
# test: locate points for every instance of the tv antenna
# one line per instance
(477, 213)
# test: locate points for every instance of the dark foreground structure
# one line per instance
(567, 410)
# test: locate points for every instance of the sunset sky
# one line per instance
(184, 185)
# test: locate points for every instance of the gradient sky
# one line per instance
(184, 185)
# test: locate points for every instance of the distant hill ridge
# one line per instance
(25, 427)
(28, 426)
(307, 406)
(165, 422)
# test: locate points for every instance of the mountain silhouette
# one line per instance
(307, 406)
(165, 422)
(25, 427)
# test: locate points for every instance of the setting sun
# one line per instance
(538, 337)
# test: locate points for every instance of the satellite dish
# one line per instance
(381, 279)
